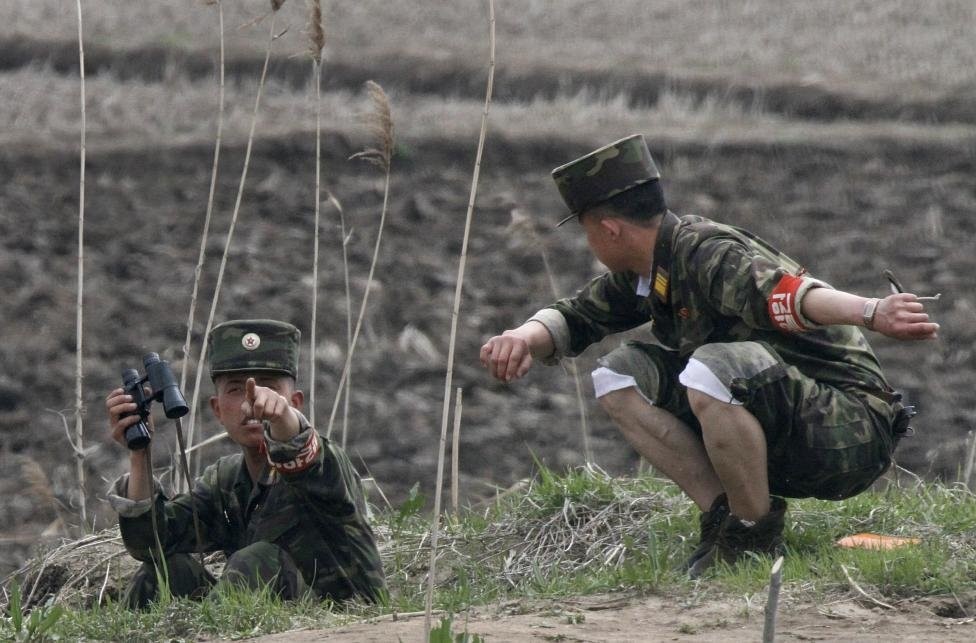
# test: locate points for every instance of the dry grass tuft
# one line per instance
(379, 122)
(79, 573)
(583, 531)
(316, 30)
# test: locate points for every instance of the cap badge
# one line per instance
(250, 341)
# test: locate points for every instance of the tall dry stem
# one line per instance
(457, 304)
(185, 485)
(456, 452)
(316, 34)
(79, 445)
(380, 125)
(230, 237)
(345, 270)
(967, 475)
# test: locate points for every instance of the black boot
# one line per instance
(709, 524)
(738, 539)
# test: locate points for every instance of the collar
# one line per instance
(643, 287)
(660, 279)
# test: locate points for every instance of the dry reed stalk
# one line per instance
(860, 591)
(460, 281)
(230, 236)
(435, 520)
(316, 34)
(79, 445)
(217, 437)
(967, 475)
(185, 485)
(345, 269)
(772, 603)
(523, 225)
(456, 452)
(380, 124)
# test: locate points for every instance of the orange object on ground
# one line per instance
(876, 541)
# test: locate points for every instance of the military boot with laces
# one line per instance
(709, 524)
(738, 539)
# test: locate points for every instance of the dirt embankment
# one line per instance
(420, 75)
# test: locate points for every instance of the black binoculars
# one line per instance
(163, 388)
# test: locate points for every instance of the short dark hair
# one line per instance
(640, 204)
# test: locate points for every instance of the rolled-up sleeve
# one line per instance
(124, 506)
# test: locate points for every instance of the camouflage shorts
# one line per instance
(822, 441)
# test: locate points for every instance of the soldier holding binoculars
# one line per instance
(288, 511)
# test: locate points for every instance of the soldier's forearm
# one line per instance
(140, 482)
(828, 306)
(537, 336)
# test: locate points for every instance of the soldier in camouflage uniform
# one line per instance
(760, 384)
(288, 511)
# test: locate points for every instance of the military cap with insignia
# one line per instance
(604, 173)
(254, 345)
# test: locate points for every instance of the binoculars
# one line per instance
(163, 388)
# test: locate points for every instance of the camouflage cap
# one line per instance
(604, 173)
(245, 345)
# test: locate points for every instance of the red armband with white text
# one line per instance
(782, 305)
(303, 459)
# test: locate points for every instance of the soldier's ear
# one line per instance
(610, 225)
(215, 407)
(298, 399)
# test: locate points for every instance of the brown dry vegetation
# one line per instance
(864, 181)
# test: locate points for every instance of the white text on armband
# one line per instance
(782, 305)
(303, 459)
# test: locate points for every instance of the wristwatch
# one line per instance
(870, 309)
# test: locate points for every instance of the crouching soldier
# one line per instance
(760, 384)
(288, 510)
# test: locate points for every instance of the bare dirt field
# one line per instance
(849, 167)
(628, 618)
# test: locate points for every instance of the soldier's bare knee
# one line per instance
(702, 403)
(615, 403)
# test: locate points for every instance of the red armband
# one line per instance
(303, 459)
(782, 305)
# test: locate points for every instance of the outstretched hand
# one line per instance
(903, 316)
(507, 357)
(264, 404)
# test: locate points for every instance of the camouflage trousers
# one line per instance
(256, 566)
(822, 441)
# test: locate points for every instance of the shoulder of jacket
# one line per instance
(227, 467)
(693, 230)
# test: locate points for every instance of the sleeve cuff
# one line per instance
(558, 329)
(125, 507)
(297, 453)
(808, 284)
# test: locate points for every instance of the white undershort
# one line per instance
(695, 376)
(699, 377)
(607, 381)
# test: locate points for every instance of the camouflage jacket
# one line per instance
(711, 282)
(317, 515)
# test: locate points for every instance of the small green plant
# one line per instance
(443, 634)
(35, 626)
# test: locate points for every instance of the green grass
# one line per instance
(584, 532)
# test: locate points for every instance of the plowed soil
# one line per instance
(847, 206)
